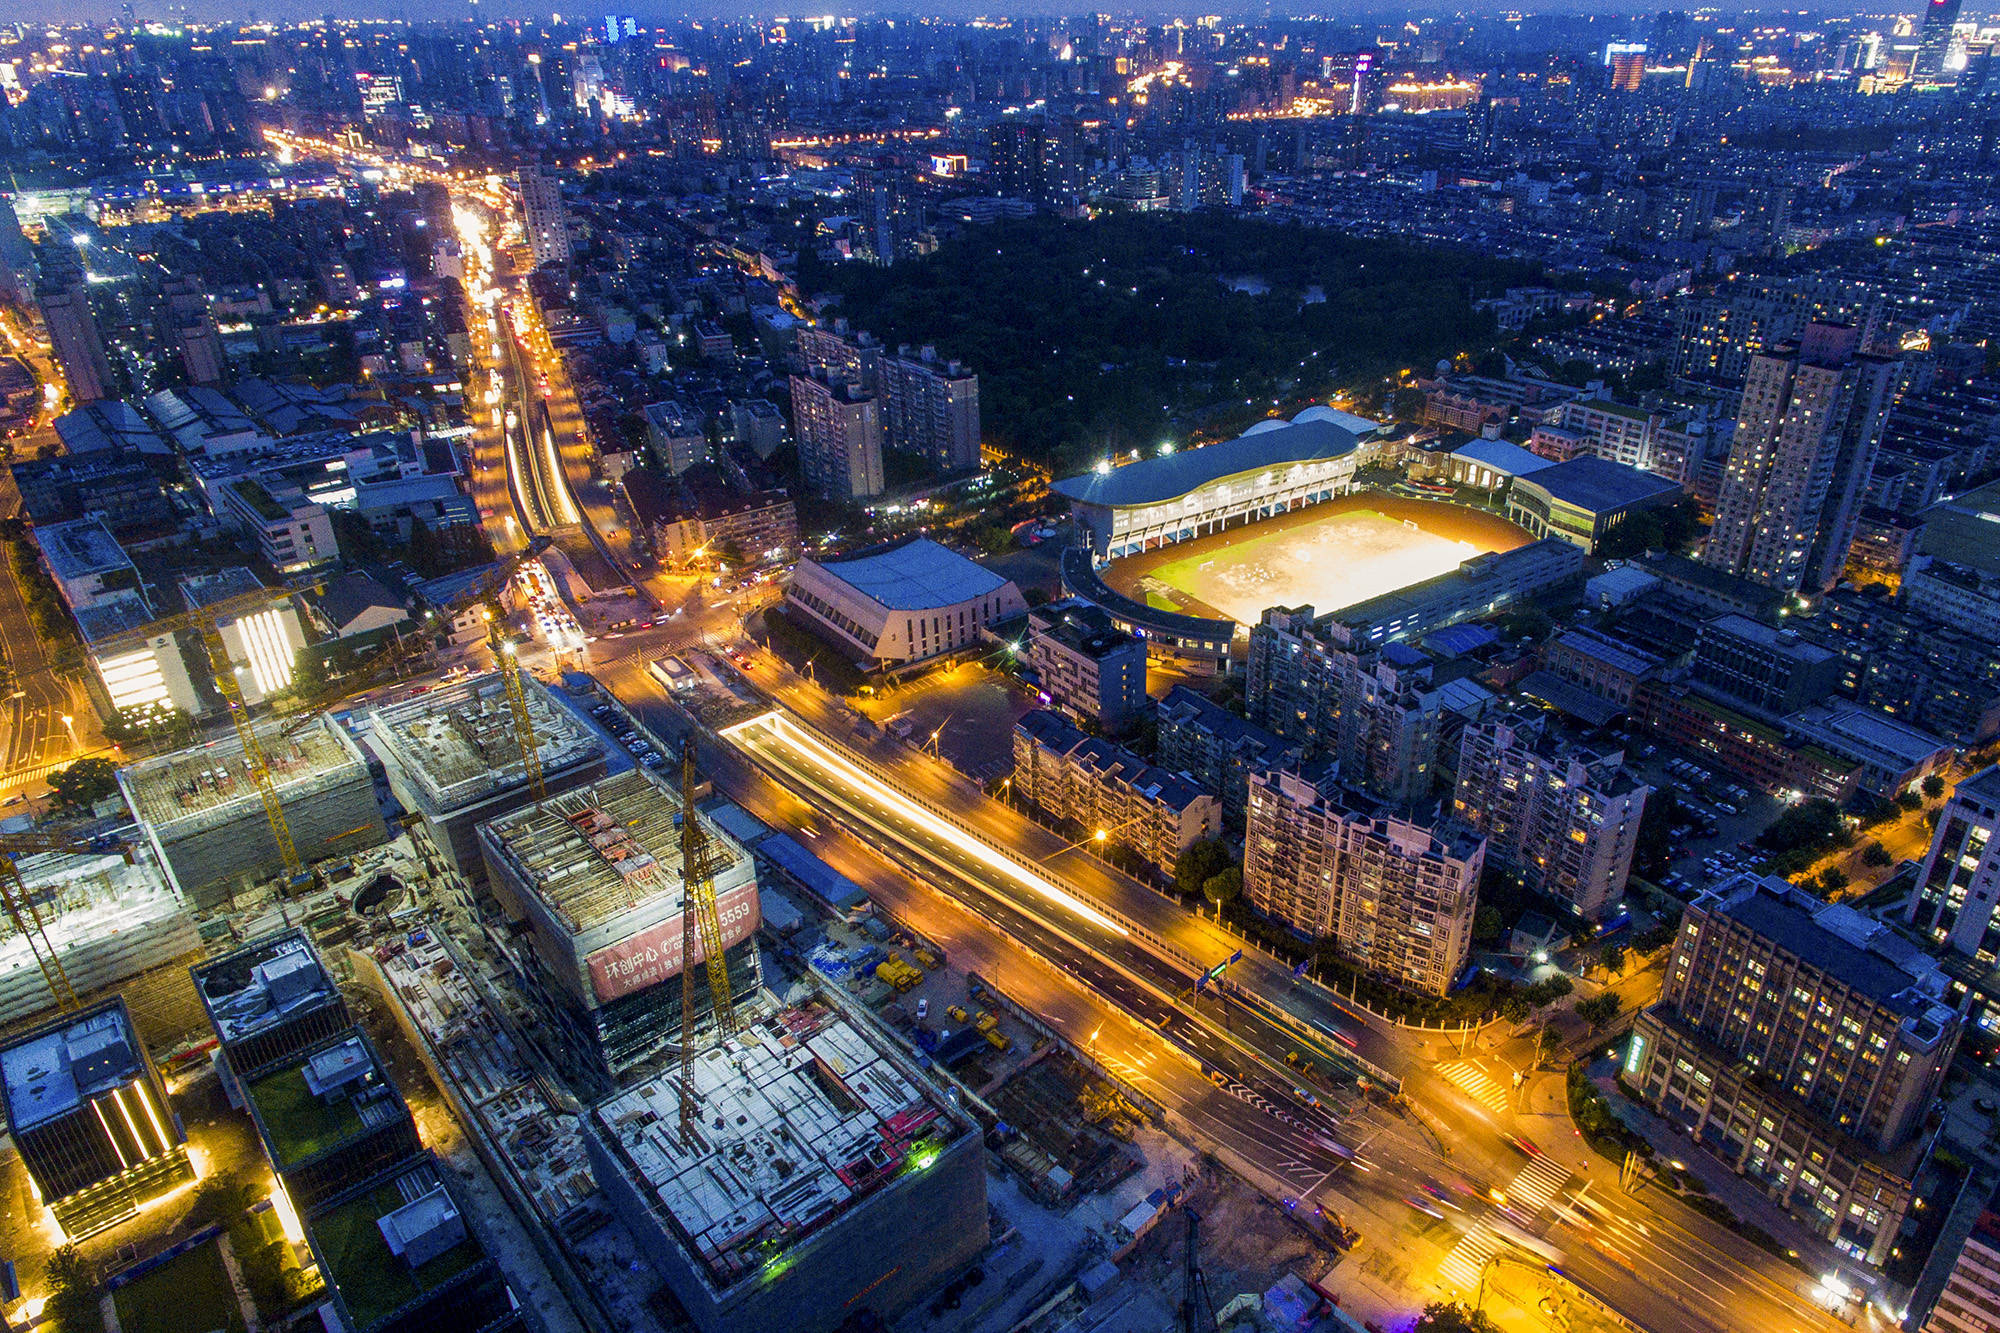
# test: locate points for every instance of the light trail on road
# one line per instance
(785, 732)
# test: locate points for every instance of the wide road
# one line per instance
(34, 699)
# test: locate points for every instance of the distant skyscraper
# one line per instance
(543, 218)
(1933, 62)
(1627, 63)
(1806, 437)
(73, 334)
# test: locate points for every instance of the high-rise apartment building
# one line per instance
(1395, 894)
(839, 430)
(1806, 437)
(1970, 1301)
(930, 408)
(1958, 885)
(73, 335)
(1562, 815)
(193, 329)
(1805, 1045)
(1374, 710)
(542, 216)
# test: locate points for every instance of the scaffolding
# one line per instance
(211, 785)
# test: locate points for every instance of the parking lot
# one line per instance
(969, 709)
(1721, 816)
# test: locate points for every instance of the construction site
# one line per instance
(206, 819)
(595, 874)
(822, 1168)
(105, 919)
(455, 757)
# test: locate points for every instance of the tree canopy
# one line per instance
(1119, 333)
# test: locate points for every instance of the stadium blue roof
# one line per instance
(1155, 479)
(1596, 485)
(913, 575)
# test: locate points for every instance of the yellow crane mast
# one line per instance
(700, 927)
(20, 905)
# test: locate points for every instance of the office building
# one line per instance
(1088, 667)
(78, 348)
(1806, 438)
(1939, 59)
(1484, 585)
(1958, 884)
(839, 431)
(1372, 709)
(1805, 1045)
(454, 758)
(542, 217)
(88, 1114)
(399, 1256)
(330, 1117)
(1970, 1301)
(1217, 749)
(1775, 670)
(204, 816)
(827, 1178)
(901, 603)
(1561, 814)
(1393, 892)
(1092, 786)
(269, 1001)
(591, 880)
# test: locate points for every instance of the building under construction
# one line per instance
(204, 816)
(826, 1177)
(454, 757)
(594, 877)
(268, 1001)
(105, 918)
(87, 1111)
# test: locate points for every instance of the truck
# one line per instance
(997, 1039)
(986, 1022)
(898, 973)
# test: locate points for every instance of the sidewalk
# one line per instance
(1749, 1203)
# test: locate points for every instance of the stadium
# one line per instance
(1188, 549)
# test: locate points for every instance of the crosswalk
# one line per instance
(1476, 1083)
(1531, 1190)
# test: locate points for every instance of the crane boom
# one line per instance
(700, 927)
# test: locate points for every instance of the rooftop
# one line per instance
(262, 984)
(214, 778)
(336, 1092)
(459, 744)
(1869, 734)
(802, 1117)
(1965, 529)
(1792, 919)
(1501, 456)
(52, 1068)
(596, 852)
(1306, 438)
(1081, 627)
(912, 575)
(80, 548)
(1598, 485)
(1787, 641)
(374, 1282)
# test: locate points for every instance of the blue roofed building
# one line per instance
(1586, 499)
(900, 604)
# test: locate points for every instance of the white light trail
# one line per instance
(786, 732)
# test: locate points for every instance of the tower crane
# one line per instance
(20, 905)
(205, 621)
(701, 857)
